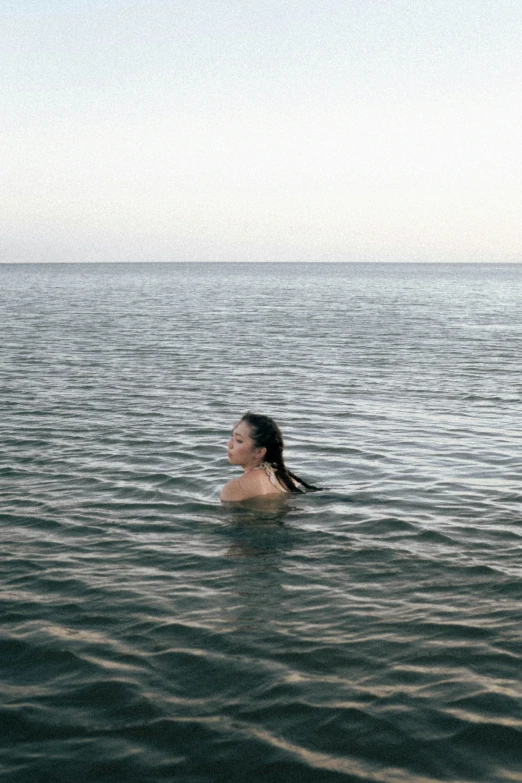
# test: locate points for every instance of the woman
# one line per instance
(256, 446)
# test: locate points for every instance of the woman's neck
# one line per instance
(249, 468)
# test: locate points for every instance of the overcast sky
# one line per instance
(230, 130)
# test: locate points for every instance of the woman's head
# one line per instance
(265, 434)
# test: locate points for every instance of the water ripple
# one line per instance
(369, 632)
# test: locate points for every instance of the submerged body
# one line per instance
(256, 446)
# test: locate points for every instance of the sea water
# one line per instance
(368, 632)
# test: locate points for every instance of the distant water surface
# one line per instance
(369, 632)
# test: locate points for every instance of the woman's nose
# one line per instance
(229, 444)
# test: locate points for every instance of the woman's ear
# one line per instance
(262, 452)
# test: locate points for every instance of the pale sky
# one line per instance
(229, 130)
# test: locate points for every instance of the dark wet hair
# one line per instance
(266, 434)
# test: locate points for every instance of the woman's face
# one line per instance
(241, 448)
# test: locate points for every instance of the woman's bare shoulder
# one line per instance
(250, 485)
(233, 490)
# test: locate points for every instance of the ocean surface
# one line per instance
(368, 632)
